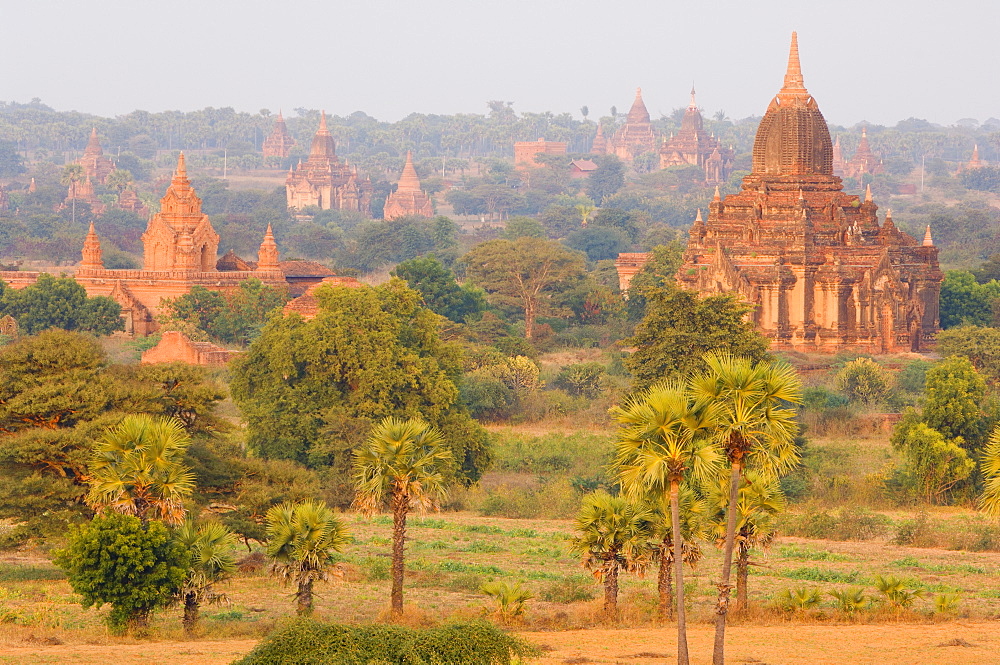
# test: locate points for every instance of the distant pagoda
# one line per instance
(408, 199)
(280, 142)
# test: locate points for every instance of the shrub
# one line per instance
(947, 603)
(800, 598)
(581, 379)
(511, 599)
(851, 600)
(854, 523)
(316, 643)
(895, 592)
(572, 589)
(132, 566)
(864, 380)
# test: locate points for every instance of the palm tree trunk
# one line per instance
(611, 592)
(190, 621)
(304, 598)
(722, 607)
(742, 571)
(665, 583)
(400, 503)
(675, 519)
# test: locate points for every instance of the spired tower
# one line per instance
(408, 199)
(695, 147)
(280, 142)
(821, 271)
(180, 237)
(636, 136)
(324, 181)
(95, 165)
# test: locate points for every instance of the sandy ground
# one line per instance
(953, 643)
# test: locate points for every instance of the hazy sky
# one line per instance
(877, 61)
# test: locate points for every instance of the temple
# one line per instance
(863, 162)
(84, 191)
(600, 144)
(408, 199)
(323, 181)
(526, 151)
(280, 142)
(975, 162)
(636, 136)
(179, 252)
(820, 269)
(95, 165)
(693, 146)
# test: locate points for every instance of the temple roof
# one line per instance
(638, 113)
(408, 180)
(793, 138)
(323, 146)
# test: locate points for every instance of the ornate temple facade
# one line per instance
(693, 146)
(633, 138)
(821, 270)
(326, 182)
(95, 165)
(279, 143)
(179, 252)
(408, 199)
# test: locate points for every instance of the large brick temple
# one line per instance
(693, 146)
(180, 251)
(823, 272)
(326, 182)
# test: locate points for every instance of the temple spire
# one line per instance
(693, 105)
(793, 75)
(91, 254)
(408, 180)
(322, 122)
(716, 197)
(267, 256)
(928, 240)
(698, 217)
(181, 171)
(868, 193)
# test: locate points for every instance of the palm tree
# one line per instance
(989, 500)
(72, 174)
(137, 469)
(403, 463)
(663, 439)
(754, 430)
(760, 500)
(613, 536)
(693, 512)
(301, 540)
(212, 561)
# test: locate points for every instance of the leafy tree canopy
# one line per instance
(310, 390)
(60, 302)
(233, 317)
(440, 291)
(964, 301)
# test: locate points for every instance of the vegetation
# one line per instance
(59, 302)
(132, 565)
(212, 562)
(403, 463)
(301, 540)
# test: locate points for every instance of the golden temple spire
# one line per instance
(868, 193)
(716, 197)
(698, 218)
(928, 240)
(181, 171)
(322, 122)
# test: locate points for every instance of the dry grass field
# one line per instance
(451, 554)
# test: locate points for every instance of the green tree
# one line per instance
(662, 442)
(72, 174)
(403, 463)
(302, 539)
(439, 289)
(755, 431)
(520, 227)
(980, 345)
(612, 535)
(864, 380)
(119, 180)
(60, 302)
(137, 469)
(955, 394)
(528, 273)
(310, 390)
(233, 317)
(212, 562)
(964, 301)
(58, 394)
(760, 501)
(119, 560)
(936, 463)
(680, 326)
(606, 179)
(989, 500)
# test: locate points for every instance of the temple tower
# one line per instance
(324, 181)
(279, 143)
(180, 237)
(91, 254)
(636, 136)
(819, 269)
(408, 199)
(267, 255)
(94, 163)
(693, 146)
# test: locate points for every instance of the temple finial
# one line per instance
(698, 218)
(693, 105)
(716, 197)
(181, 167)
(322, 121)
(928, 240)
(793, 75)
(868, 194)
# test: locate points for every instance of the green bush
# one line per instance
(132, 566)
(316, 643)
(572, 589)
(854, 523)
(581, 379)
